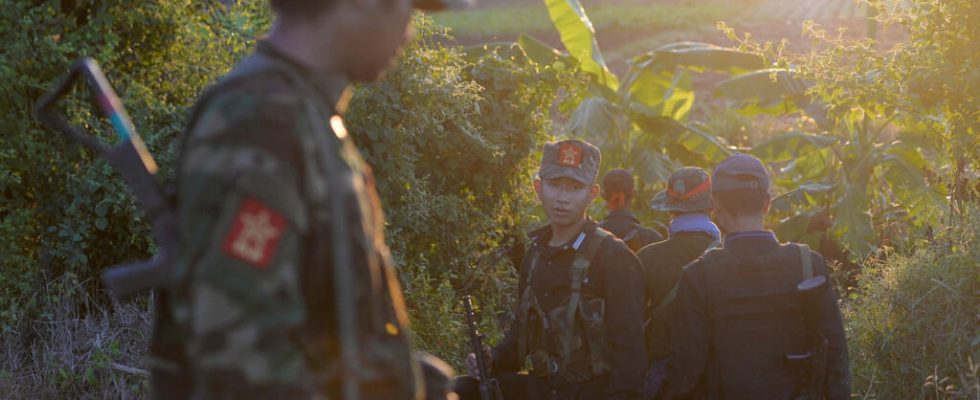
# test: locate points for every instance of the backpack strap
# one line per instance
(580, 265)
(806, 261)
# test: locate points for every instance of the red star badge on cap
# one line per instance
(569, 155)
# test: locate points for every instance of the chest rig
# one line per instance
(568, 342)
(355, 337)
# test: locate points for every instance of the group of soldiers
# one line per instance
(287, 289)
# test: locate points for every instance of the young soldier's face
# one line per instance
(378, 36)
(565, 200)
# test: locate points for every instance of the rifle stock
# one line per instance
(134, 164)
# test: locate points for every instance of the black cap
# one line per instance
(741, 171)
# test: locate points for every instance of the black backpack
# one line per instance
(756, 318)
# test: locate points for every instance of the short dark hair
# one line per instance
(300, 7)
(742, 202)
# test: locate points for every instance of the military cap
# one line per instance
(741, 171)
(617, 181)
(688, 190)
(573, 159)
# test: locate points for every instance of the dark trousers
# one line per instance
(518, 387)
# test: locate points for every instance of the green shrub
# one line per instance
(912, 321)
(450, 137)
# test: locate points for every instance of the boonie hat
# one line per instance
(688, 190)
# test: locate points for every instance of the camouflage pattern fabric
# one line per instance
(257, 310)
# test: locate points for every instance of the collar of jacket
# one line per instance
(330, 86)
(622, 213)
(751, 239)
(541, 236)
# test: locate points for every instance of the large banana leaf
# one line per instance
(705, 56)
(790, 145)
(649, 163)
(812, 166)
(594, 120)
(905, 173)
(853, 224)
(774, 91)
(797, 229)
(805, 194)
(705, 144)
(578, 36)
(665, 92)
(651, 122)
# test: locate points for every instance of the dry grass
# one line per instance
(68, 355)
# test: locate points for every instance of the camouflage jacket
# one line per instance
(287, 288)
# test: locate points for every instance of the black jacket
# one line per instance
(663, 263)
(625, 225)
(694, 359)
(614, 276)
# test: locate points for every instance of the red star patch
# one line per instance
(255, 233)
(569, 155)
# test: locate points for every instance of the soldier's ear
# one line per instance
(765, 206)
(537, 187)
(595, 190)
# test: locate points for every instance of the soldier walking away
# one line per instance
(742, 327)
(617, 190)
(286, 285)
(688, 200)
(580, 310)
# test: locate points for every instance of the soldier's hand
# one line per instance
(473, 368)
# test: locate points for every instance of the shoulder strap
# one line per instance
(580, 265)
(806, 261)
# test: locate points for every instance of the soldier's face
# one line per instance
(378, 37)
(565, 200)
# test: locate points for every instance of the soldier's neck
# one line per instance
(562, 234)
(752, 223)
(311, 49)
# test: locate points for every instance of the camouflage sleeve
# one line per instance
(832, 327)
(242, 221)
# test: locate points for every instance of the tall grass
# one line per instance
(912, 321)
(71, 354)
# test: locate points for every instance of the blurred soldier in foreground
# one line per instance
(742, 327)
(580, 311)
(287, 288)
(617, 190)
(688, 200)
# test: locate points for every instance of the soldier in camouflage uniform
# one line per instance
(580, 310)
(286, 286)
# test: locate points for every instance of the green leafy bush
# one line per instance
(912, 321)
(64, 210)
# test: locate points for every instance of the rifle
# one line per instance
(816, 357)
(489, 387)
(134, 163)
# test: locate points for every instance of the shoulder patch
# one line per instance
(254, 234)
